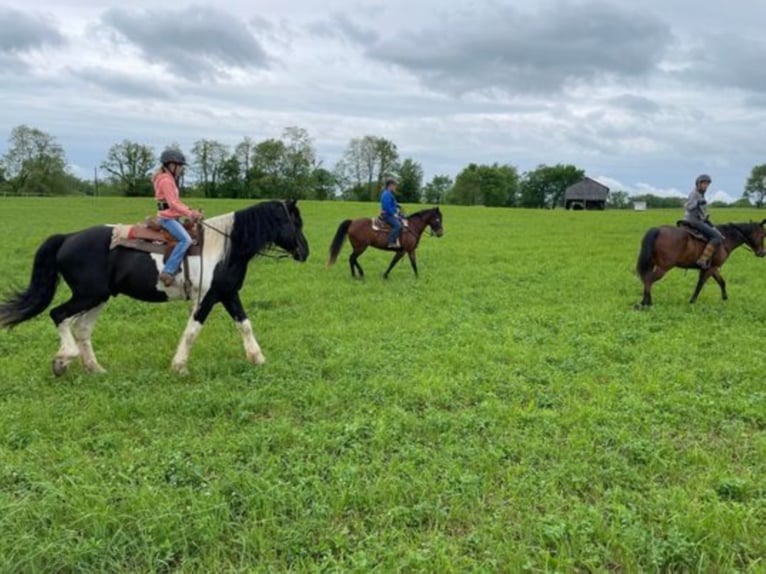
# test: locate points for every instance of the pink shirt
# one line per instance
(165, 189)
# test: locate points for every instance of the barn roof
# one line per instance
(587, 188)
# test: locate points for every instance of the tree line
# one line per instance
(288, 167)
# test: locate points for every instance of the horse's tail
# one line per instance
(337, 241)
(645, 261)
(21, 306)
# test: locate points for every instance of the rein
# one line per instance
(746, 237)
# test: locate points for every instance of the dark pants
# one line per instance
(711, 233)
(396, 227)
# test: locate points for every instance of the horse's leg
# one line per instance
(191, 332)
(703, 278)
(83, 329)
(68, 350)
(233, 305)
(649, 279)
(397, 256)
(354, 261)
(721, 284)
(413, 262)
(63, 317)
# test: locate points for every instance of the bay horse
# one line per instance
(362, 235)
(94, 273)
(665, 247)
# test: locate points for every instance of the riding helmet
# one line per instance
(701, 178)
(172, 155)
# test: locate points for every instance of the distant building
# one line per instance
(639, 206)
(586, 194)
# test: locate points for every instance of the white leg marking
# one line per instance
(184, 346)
(83, 329)
(252, 349)
(68, 349)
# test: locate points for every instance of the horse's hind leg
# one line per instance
(68, 350)
(354, 262)
(64, 316)
(648, 280)
(83, 329)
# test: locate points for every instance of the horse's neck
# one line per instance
(733, 238)
(417, 224)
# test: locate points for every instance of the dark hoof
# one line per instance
(59, 367)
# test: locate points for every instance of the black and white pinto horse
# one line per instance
(94, 273)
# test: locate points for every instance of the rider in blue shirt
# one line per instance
(390, 212)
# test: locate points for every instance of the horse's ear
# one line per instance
(292, 202)
(762, 222)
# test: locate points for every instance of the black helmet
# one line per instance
(172, 155)
(701, 178)
(391, 182)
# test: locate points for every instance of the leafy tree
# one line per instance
(298, 163)
(243, 152)
(209, 157)
(366, 163)
(266, 171)
(545, 186)
(490, 185)
(129, 164)
(232, 184)
(755, 187)
(618, 200)
(437, 189)
(35, 163)
(410, 181)
(324, 184)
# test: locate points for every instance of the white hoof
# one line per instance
(180, 368)
(60, 366)
(256, 358)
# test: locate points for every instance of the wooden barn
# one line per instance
(586, 194)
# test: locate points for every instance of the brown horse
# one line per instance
(362, 235)
(665, 247)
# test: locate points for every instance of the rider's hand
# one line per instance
(195, 215)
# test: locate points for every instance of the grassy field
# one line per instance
(508, 411)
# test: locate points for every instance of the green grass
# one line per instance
(508, 411)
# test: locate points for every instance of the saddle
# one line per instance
(691, 230)
(149, 236)
(379, 225)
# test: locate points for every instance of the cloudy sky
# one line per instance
(642, 95)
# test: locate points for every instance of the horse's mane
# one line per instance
(255, 228)
(423, 212)
(729, 229)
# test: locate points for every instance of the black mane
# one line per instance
(256, 228)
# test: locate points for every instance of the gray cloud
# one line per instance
(729, 61)
(502, 48)
(197, 42)
(635, 104)
(120, 84)
(20, 32)
(341, 26)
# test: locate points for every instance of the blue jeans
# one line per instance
(396, 227)
(177, 230)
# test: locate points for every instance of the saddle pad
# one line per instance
(379, 225)
(690, 230)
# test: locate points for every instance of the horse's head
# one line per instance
(290, 236)
(756, 237)
(434, 220)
